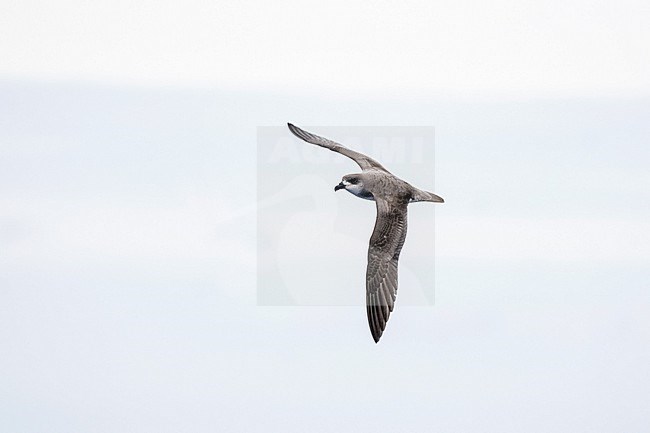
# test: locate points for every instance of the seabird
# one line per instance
(392, 196)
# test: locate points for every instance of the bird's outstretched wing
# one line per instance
(365, 162)
(383, 253)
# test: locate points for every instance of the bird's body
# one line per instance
(392, 196)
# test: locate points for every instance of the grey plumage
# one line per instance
(392, 196)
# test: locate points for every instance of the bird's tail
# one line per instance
(420, 195)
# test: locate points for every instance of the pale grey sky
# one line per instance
(462, 47)
(128, 217)
(129, 287)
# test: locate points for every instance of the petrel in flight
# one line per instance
(392, 196)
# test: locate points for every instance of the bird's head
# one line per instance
(350, 182)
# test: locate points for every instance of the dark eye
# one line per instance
(353, 180)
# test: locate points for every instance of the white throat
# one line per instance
(359, 191)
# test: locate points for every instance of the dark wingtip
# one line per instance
(376, 332)
(375, 328)
(296, 131)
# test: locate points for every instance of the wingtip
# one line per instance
(295, 130)
(376, 334)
